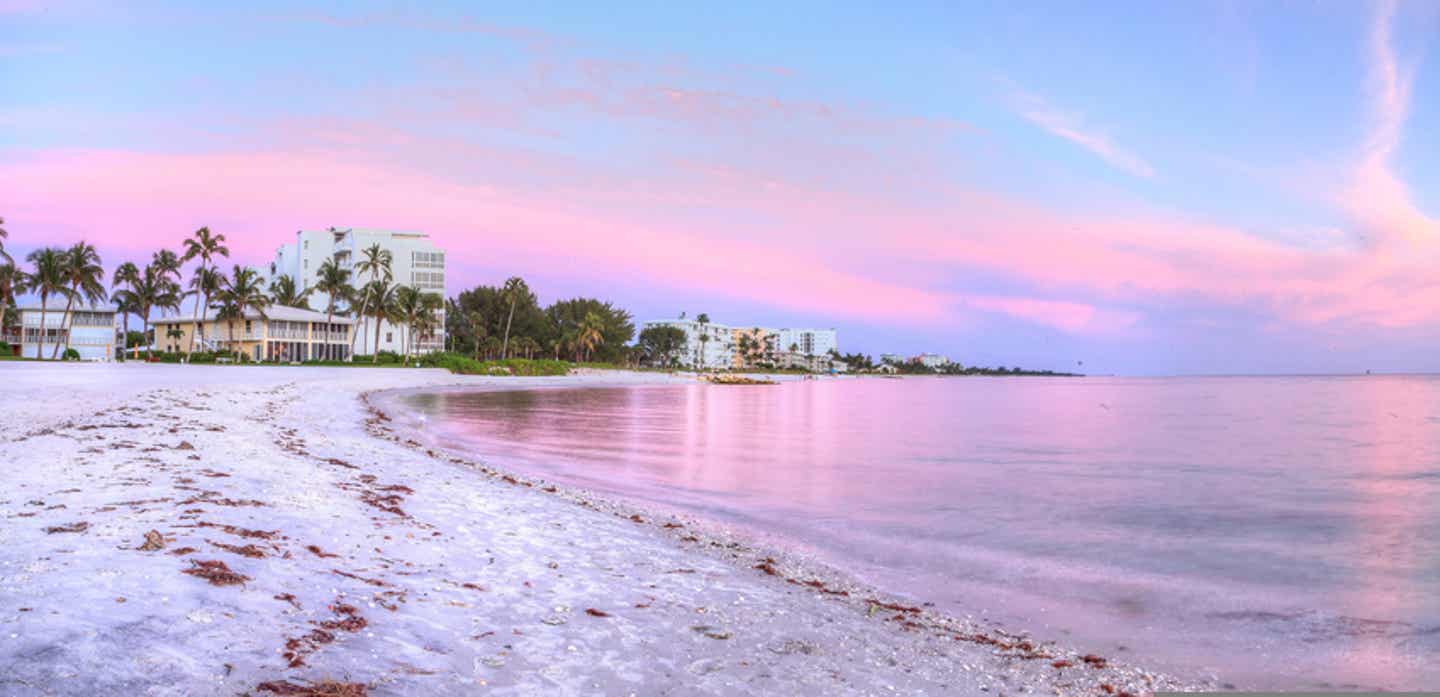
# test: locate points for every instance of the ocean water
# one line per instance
(1274, 532)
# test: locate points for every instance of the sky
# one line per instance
(1115, 187)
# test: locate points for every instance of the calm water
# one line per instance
(1273, 531)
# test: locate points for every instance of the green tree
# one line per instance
(375, 262)
(616, 325)
(514, 290)
(659, 345)
(46, 278)
(4, 234)
(238, 293)
(380, 297)
(284, 293)
(9, 278)
(154, 290)
(334, 281)
(589, 335)
(415, 311)
(207, 248)
(204, 284)
(128, 276)
(86, 278)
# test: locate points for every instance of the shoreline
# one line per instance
(458, 575)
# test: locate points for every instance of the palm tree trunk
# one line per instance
(505, 347)
(63, 319)
(329, 315)
(195, 319)
(360, 319)
(375, 357)
(124, 343)
(40, 340)
(230, 327)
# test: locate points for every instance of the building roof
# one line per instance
(60, 309)
(275, 312)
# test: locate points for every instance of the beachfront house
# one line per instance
(280, 333)
(90, 330)
(414, 261)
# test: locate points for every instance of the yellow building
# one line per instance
(282, 334)
(749, 346)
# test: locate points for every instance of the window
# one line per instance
(307, 244)
(388, 337)
(427, 260)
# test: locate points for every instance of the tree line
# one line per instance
(76, 274)
(507, 321)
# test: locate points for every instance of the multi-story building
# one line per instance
(932, 360)
(806, 342)
(708, 346)
(91, 332)
(414, 261)
(742, 347)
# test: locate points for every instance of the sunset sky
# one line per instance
(1147, 187)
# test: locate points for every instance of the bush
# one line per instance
(202, 357)
(386, 357)
(464, 365)
(70, 355)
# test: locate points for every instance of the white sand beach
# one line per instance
(301, 535)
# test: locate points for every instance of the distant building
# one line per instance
(414, 261)
(715, 351)
(91, 332)
(739, 348)
(932, 360)
(891, 358)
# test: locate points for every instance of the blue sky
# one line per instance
(1147, 187)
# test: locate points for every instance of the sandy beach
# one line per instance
(181, 530)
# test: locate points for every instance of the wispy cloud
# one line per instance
(1072, 127)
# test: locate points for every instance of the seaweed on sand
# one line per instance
(216, 572)
(323, 688)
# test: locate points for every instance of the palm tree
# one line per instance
(9, 278)
(205, 247)
(238, 293)
(416, 311)
(376, 262)
(205, 283)
(127, 275)
(4, 235)
(380, 296)
(514, 289)
(477, 329)
(86, 277)
(282, 292)
(703, 320)
(590, 334)
(167, 267)
(151, 291)
(334, 281)
(47, 279)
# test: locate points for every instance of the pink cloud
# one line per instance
(140, 200)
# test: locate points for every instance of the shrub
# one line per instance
(70, 355)
(464, 365)
(202, 357)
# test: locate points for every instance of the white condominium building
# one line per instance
(414, 261)
(722, 347)
(716, 350)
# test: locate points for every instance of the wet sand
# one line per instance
(231, 530)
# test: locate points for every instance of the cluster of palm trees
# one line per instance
(76, 274)
(73, 273)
